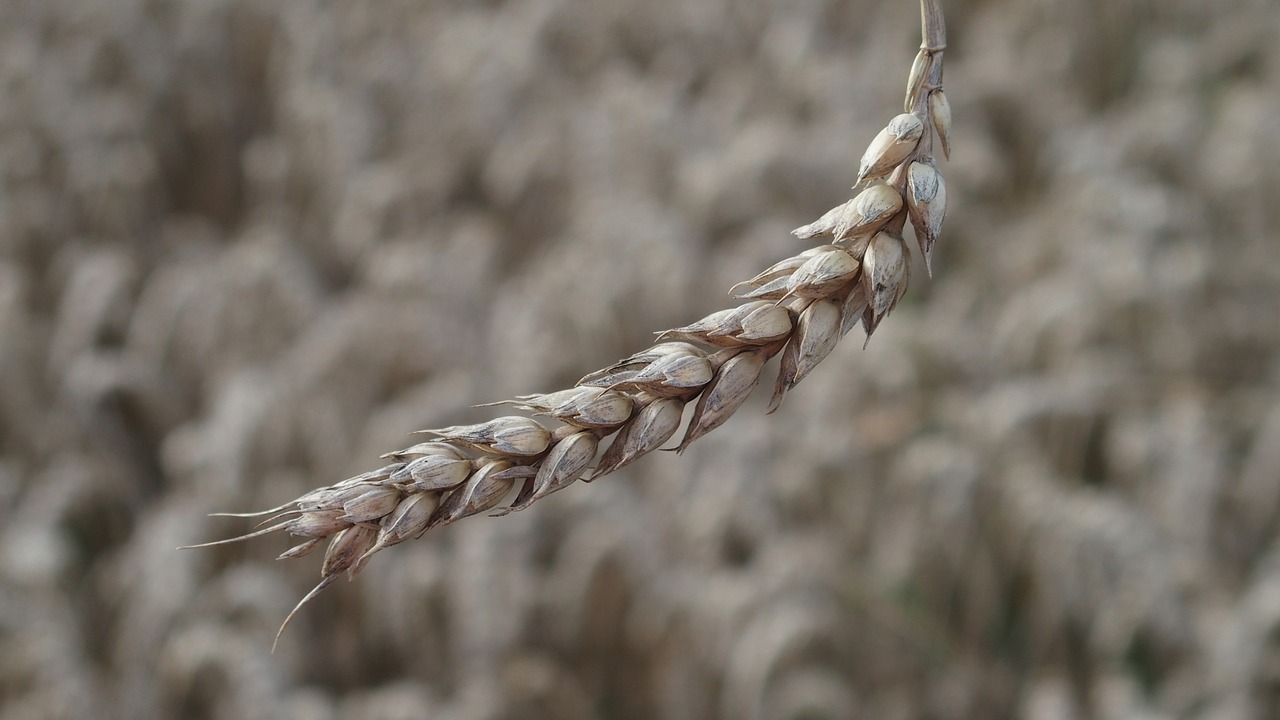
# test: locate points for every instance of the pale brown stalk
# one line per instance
(798, 309)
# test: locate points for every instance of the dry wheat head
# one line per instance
(799, 309)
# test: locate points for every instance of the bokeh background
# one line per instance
(246, 247)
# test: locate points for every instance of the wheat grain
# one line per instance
(798, 308)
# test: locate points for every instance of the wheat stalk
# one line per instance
(799, 308)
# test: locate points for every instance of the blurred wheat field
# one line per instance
(245, 248)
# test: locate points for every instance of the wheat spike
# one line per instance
(799, 309)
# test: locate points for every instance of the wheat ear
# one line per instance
(799, 308)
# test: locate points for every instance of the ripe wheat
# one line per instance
(798, 308)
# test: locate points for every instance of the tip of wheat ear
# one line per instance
(797, 309)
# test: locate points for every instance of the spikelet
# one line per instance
(483, 490)
(816, 336)
(916, 79)
(823, 275)
(927, 206)
(585, 407)
(563, 466)
(732, 385)
(656, 422)
(940, 111)
(443, 468)
(408, 520)
(891, 147)
(865, 213)
(884, 278)
(511, 435)
(753, 323)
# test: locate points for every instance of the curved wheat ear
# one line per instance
(798, 308)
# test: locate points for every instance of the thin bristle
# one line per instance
(282, 514)
(259, 513)
(326, 582)
(240, 538)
